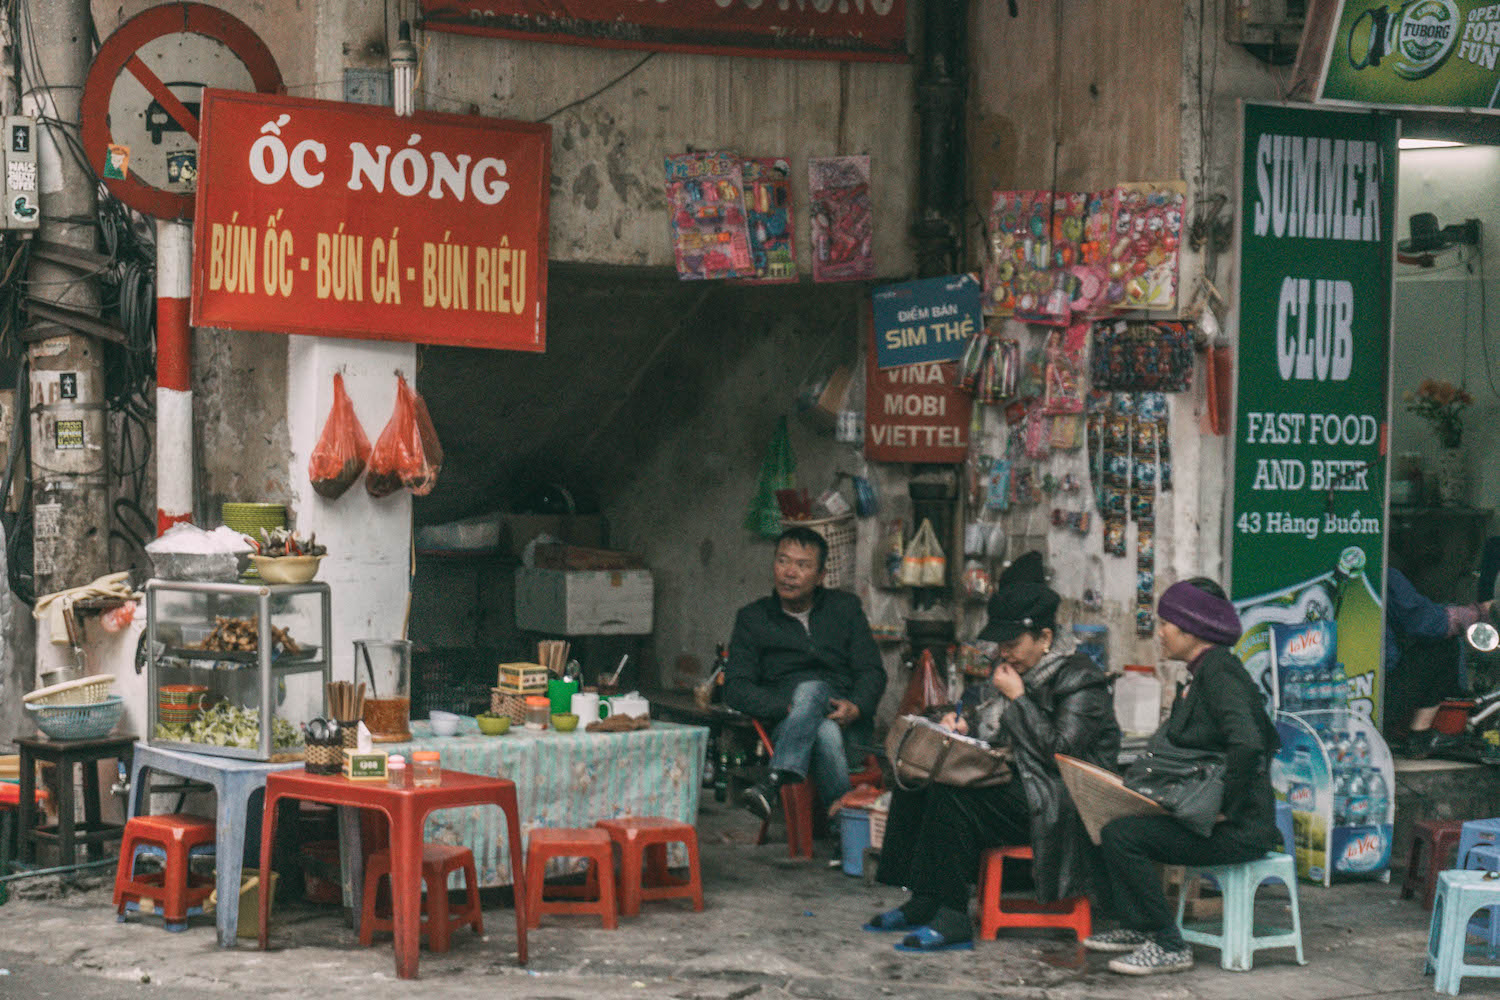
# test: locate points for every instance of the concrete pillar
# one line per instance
(67, 421)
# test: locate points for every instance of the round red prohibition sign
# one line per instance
(144, 91)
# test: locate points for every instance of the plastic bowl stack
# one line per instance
(80, 709)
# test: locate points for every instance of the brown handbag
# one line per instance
(921, 751)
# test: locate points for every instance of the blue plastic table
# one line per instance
(233, 781)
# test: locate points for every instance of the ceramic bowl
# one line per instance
(286, 569)
(565, 722)
(443, 723)
(493, 725)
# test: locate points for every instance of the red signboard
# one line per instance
(827, 29)
(913, 413)
(341, 219)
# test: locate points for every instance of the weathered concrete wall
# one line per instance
(1079, 97)
(608, 200)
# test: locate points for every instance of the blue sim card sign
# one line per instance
(920, 322)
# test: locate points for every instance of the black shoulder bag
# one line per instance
(1187, 783)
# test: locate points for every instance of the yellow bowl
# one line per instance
(286, 569)
(565, 722)
(493, 725)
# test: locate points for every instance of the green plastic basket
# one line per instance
(78, 722)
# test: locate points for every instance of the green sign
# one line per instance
(1308, 532)
(1422, 53)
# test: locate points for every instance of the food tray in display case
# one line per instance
(236, 669)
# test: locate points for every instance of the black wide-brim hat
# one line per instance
(1021, 607)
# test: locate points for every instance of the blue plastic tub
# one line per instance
(854, 830)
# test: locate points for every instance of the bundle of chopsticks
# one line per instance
(346, 701)
(553, 654)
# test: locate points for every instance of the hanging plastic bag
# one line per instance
(925, 690)
(889, 556)
(342, 450)
(778, 471)
(934, 562)
(407, 453)
(911, 563)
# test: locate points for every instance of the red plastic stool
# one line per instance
(1441, 838)
(649, 836)
(1073, 913)
(798, 800)
(438, 860)
(596, 897)
(175, 890)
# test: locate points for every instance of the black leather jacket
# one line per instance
(1071, 712)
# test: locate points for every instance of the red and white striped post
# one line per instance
(174, 374)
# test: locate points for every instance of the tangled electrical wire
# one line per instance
(127, 286)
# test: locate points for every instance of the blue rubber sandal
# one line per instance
(927, 939)
(890, 920)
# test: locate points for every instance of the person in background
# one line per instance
(803, 659)
(1045, 699)
(1220, 708)
(1422, 658)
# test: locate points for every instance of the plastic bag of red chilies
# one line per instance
(407, 452)
(342, 449)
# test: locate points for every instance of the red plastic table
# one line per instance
(406, 809)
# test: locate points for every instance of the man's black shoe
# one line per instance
(757, 798)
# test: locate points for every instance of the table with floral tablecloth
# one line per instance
(564, 780)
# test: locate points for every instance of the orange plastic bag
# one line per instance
(342, 450)
(407, 453)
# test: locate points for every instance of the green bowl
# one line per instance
(565, 722)
(493, 725)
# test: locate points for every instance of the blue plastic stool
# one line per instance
(1477, 833)
(1459, 895)
(1237, 941)
(1485, 858)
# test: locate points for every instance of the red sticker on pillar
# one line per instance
(321, 217)
(913, 413)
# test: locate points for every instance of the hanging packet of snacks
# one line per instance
(1067, 432)
(890, 555)
(1142, 357)
(1063, 386)
(1096, 404)
(1038, 434)
(997, 494)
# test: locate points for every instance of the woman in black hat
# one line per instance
(1042, 699)
(1220, 709)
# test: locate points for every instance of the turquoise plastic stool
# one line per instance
(1477, 833)
(1484, 858)
(1237, 941)
(1460, 894)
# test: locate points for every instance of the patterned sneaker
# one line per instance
(1151, 958)
(1120, 941)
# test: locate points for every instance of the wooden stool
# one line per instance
(176, 889)
(649, 836)
(1072, 913)
(547, 843)
(1441, 837)
(65, 754)
(438, 860)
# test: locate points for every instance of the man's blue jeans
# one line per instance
(812, 745)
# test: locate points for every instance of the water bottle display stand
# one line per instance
(1335, 772)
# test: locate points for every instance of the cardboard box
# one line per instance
(521, 678)
(584, 602)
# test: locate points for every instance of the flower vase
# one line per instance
(1452, 476)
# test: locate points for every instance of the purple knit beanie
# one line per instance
(1200, 613)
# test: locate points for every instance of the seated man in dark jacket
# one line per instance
(804, 659)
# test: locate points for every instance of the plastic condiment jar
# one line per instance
(395, 771)
(538, 709)
(424, 768)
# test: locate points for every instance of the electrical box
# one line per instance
(22, 204)
(1264, 22)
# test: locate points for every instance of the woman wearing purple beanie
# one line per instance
(1220, 709)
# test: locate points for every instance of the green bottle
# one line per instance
(1361, 623)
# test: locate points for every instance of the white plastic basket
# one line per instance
(83, 691)
(840, 534)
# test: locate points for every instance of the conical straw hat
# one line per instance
(1100, 795)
